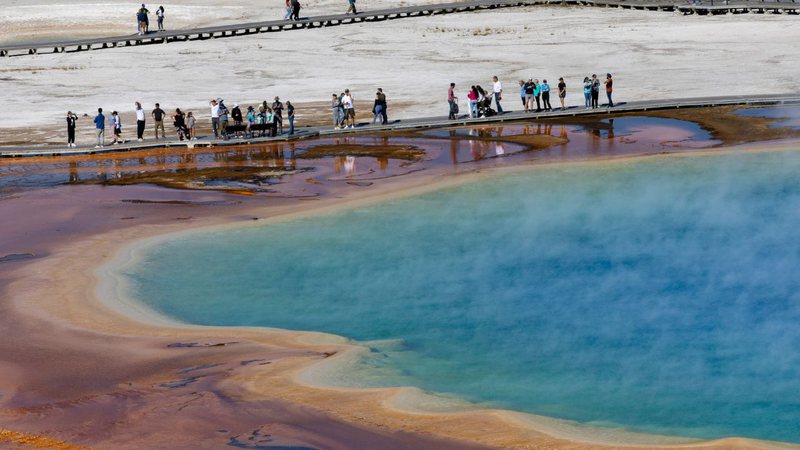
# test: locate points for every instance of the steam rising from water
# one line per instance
(659, 295)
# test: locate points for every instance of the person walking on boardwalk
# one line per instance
(277, 111)
(384, 111)
(158, 115)
(587, 92)
(562, 92)
(290, 116)
(452, 100)
(352, 7)
(609, 89)
(294, 10)
(72, 120)
(546, 96)
(160, 15)
(595, 91)
(497, 93)
(179, 122)
(115, 123)
(100, 128)
(497, 89)
(140, 122)
(348, 103)
(214, 117)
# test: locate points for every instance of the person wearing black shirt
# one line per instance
(71, 120)
(158, 114)
(382, 100)
(290, 114)
(562, 92)
(277, 110)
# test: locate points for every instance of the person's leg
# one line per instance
(610, 102)
(546, 100)
(538, 103)
(452, 114)
(215, 126)
(70, 136)
(223, 129)
(497, 103)
(291, 125)
(384, 115)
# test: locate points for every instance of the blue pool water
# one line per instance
(661, 295)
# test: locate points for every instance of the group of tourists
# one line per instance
(143, 19)
(535, 96)
(261, 120)
(344, 110)
(292, 10)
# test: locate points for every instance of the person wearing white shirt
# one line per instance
(215, 117)
(498, 94)
(140, 122)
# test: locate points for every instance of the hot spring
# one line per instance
(660, 294)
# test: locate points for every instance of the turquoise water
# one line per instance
(661, 295)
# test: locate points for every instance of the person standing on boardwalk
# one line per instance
(595, 91)
(290, 115)
(100, 128)
(295, 10)
(72, 120)
(190, 124)
(522, 92)
(537, 94)
(277, 111)
(335, 104)
(214, 117)
(144, 20)
(497, 88)
(158, 115)
(223, 119)
(140, 122)
(160, 15)
(529, 89)
(587, 92)
(609, 89)
(236, 115)
(352, 8)
(116, 127)
(472, 97)
(562, 92)
(348, 103)
(546, 96)
(384, 113)
(452, 100)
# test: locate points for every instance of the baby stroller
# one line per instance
(485, 107)
(484, 103)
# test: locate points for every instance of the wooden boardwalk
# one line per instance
(413, 124)
(707, 7)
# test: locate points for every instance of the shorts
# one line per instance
(350, 112)
(563, 94)
(117, 131)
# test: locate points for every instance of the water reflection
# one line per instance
(286, 168)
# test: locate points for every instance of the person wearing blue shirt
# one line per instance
(100, 127)
(537, 93)
(587, 92)
(546, 95)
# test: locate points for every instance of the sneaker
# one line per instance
(96, 146)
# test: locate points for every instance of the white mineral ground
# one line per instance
(653, 55)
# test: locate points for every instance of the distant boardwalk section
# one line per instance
(704, 7)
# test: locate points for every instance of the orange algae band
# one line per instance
(34, 441)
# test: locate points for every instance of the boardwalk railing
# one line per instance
(422, 123)
(706, 7)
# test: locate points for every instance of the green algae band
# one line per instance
(658, 295)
